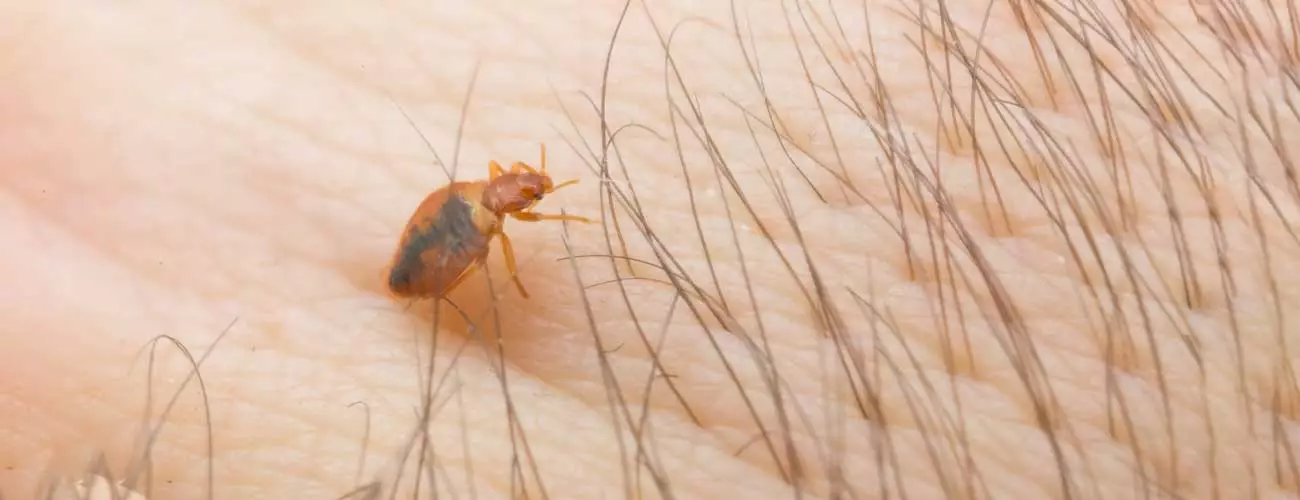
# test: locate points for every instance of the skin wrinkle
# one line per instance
(215, 179)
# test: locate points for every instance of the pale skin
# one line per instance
(1092, 328)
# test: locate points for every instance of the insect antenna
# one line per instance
(543, 167)
(563, 184)
(542, 170)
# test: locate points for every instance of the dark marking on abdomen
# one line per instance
(452, 240)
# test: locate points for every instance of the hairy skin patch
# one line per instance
(978, 249)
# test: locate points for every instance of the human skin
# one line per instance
(1098, 308)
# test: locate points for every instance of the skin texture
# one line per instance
(1038, 279)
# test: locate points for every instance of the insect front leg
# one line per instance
(509, 252)
(495, 170)
(520, 167)
(536, 217)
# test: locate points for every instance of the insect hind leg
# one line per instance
(461, 279)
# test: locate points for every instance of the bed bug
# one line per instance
(448, 236)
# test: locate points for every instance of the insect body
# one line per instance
(447, 237)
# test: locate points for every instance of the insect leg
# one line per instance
(508, 250)
(464, 274)
(521, 167)
(495, 170)
(536, 217)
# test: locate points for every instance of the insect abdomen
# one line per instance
(432, 255)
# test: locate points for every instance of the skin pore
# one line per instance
(883, 249)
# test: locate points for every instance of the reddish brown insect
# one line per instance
(447, 237)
